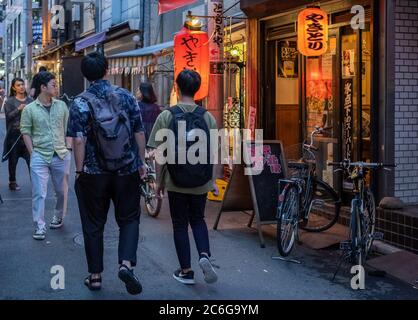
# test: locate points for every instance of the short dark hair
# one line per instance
(188, 82)
(147, 92)
(94, 66)
(42, 68)
(41, 79)
(12, 89)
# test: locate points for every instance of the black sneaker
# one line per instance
(133, 286)
(185, 278)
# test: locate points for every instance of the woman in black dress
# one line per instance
(14, 147)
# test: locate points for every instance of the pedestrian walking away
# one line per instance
(188, 185)
(14, 146)
(109, 149)
(149, 109)
(43, 126)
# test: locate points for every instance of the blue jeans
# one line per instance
(39, 172)
(188, 209)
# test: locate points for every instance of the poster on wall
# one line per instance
(348, 117)
(288, 59)
(348, 64)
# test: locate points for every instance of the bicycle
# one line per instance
(148, 187)
(362, 212)
(305, 201)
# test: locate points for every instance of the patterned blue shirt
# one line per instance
(80, 125)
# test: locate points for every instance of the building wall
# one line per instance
(406, 100)
(15, 42)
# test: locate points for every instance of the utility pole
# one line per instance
(216, 58)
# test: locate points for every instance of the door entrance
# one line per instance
(287, 110)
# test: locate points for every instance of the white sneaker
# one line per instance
(56, 223)
(209, 273)
(39, 234)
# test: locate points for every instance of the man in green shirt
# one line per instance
(43, 126)
(187, 205)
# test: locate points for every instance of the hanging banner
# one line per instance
(312, 32)
(216, 29)
(191, 51)
(348, 117)
(169, 5)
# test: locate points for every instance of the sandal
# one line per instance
(133, 286)
(93, 284)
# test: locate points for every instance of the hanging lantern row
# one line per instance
(312, 32)
(191, 51)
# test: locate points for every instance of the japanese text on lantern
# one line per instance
(190, 44)
(312, 32)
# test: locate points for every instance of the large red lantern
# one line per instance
(312, 32)
(191, 51)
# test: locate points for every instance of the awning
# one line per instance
(151, 50)
(90, 41)
(139, 61)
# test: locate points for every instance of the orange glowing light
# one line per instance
(191, 51)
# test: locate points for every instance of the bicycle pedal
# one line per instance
(377, 236)
(345, 245)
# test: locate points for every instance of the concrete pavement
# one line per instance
(246, 270)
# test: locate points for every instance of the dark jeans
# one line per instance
(94, 193)
(188, 209)
(19, 151)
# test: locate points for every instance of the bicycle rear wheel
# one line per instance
(287, 221)
(323, 209)
(369, 220)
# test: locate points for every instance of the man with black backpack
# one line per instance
(187, 181)
(109, 149)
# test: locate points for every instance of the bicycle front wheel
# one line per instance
(323, 209)
(356, 235)
(287, 221)
(152, 201)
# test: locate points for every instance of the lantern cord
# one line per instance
(231, 7)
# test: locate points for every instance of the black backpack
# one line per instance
(189, 175)
(111, 131)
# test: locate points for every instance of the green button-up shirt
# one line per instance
(46, 128)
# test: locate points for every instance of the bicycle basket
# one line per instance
(296, 153)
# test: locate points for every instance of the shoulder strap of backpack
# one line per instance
(175, 111)
(200, 111)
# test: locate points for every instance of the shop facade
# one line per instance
(353, 87)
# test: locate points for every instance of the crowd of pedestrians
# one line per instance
(107, 130)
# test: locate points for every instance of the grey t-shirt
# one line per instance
(12, 113)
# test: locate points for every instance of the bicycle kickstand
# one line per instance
(343, 257)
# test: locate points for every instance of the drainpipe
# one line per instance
(142, 42)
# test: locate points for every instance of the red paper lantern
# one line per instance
(312, 32)
(191, 51)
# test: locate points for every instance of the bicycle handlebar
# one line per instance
(369, 165)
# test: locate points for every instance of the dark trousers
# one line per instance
(188, 209)
(94, 193)
(19, 151)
